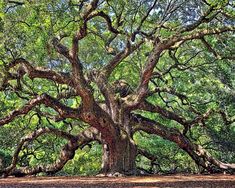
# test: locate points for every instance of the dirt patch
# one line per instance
(146, 181)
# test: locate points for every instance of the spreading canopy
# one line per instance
(116, 72)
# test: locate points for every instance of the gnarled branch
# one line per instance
(66, 154)
(49, 101)
(198, 154)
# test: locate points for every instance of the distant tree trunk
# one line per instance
(119, 157)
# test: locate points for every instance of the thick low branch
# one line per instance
(39, 72)
(174, 116)
(198, 154)
(76, 81)
(163, 112)
(32, 137)
(66, 154)
(49, 101)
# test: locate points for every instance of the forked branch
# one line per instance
(47, 100)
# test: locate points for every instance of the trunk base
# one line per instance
(119, 158)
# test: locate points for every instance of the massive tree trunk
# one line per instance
(119, 157)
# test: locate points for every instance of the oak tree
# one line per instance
(116, 68)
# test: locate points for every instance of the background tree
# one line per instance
(124, 75)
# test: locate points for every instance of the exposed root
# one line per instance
(111, 174)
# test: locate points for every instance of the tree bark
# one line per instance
(119, 157)
(196, 152)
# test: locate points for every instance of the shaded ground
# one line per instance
(147, 181)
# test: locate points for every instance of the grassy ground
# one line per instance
(146, 181)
